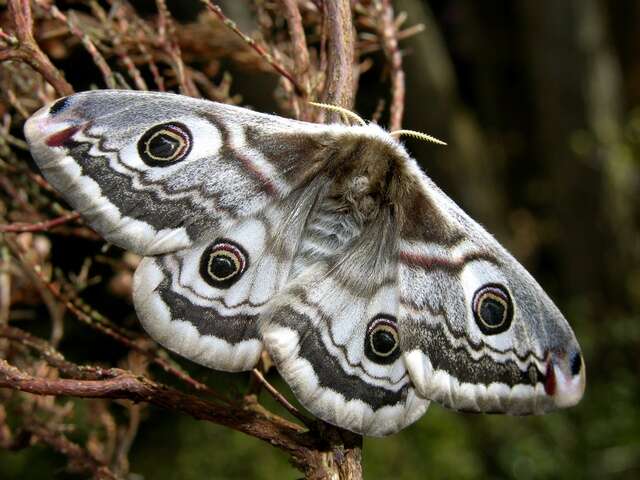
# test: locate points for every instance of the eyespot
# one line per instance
(381, 342)
(223, 263)
(165, 144)
(492, 309)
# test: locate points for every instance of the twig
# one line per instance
(112, 330)
(339, 88)
(168, 36)
(125, 385)
(79, 459)
(27, 50)
(281, 399)
(121, 26)
(40, 226)
(334, 456)
(98, 59)
(217, 11)
(52, 356)
(299, 50)
(153, 66)
(389, 37)
(5, 285)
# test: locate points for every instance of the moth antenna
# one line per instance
(342, 111)
(418, 135)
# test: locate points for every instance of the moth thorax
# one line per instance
(331, 228)
(358, 196)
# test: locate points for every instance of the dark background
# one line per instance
(539, 102)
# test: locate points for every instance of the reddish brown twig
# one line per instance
(53, 357)
(389, 37)
(125, 385)
(80, 460)
(98, 58)
(40, 226)
(26, 50)
(308, 451)
(299, 52)
(172, 48)
(217, 11)
(339, 87)
(281, 399)
(121, 27)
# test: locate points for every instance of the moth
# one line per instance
(326, 245)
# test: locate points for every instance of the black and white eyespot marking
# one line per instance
(223, 263)
(492, 309)
(381, 344)
(476, 347)
(165, 144)
(330, 372)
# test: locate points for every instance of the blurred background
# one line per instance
(539, 102)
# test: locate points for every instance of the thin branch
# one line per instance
(281, 399)
(26, 49)
(53, 357)
(333, 453)
(80, 460)
(339, 88)
(98, 59)
(125, 385)
(168, 35)
(5, 285)
(217, 11)
(299, 50)
(389, 38)
(120, 28)
(40, 226)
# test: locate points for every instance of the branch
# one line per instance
(125, 385)
(389, 39)
(26, 49)
(217, 11)
(108, 328)
(322, 452)
(339, 88)
(299, 53)
(80, 460)
(280, 398)
(40, 226)
(167, 33)
(52, 356)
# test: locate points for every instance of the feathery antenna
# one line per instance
(348, 114)
(342, 111)
(418, 135)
